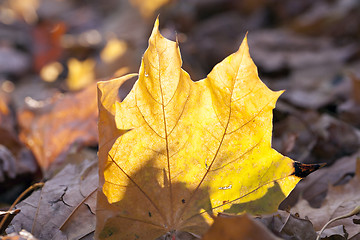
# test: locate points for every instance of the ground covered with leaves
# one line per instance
(53, 52)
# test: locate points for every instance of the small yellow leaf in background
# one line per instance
(81, 73)
(114, 49)
(51, 71)
(176, 152)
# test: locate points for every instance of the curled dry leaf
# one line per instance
(298, 228)
(288, 226)
(338, 233)
(50, 130)
(175, 152)
(339, 201)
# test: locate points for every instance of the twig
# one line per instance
(352, 213)
(29, 189)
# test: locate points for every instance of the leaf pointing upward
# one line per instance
(186, 150)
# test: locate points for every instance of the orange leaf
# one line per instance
(50, 130)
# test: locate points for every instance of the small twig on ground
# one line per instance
(352, 213)
(29, 189)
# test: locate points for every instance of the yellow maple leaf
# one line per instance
(174, 152)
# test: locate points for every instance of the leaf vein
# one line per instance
(232, 201)
(241, 156)
(220, 143)
(166, 134)
(256, 115)
(140, 189)
(180, 115)
(147, 123)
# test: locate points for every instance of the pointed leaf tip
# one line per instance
(302, 170)
(156, 26)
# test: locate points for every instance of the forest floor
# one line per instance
(52, 52)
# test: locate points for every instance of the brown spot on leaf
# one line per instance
(302, 170)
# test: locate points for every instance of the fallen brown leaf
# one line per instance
(65, 207)
(50, 130)
(289, 226)
(338, 233)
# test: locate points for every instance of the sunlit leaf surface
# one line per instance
(175, 152)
